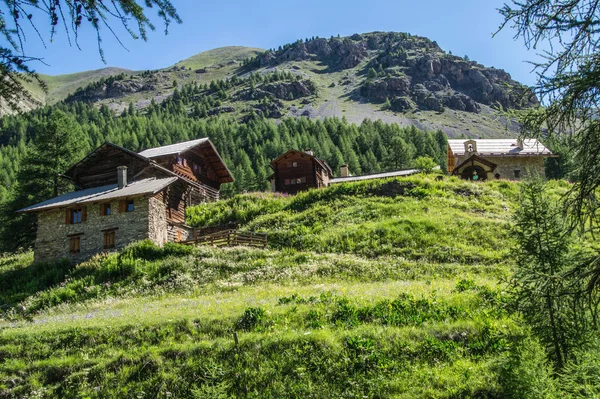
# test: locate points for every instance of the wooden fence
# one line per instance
(232, 238)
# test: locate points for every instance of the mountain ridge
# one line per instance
(388, 76)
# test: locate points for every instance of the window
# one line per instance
(76, 215)
(109, 239)
(287, 182)
(180, 160)
(75, 245)
(294, 164)
(126, 206)
(517, 173)
(105, 209)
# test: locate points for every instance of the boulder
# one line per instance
(221, 110)
(402, 104)
(287, 90)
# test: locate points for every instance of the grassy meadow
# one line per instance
(382, 289)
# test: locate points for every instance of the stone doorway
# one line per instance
(467, 173)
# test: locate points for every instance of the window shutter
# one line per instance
(68, 216)
(122, 206)
(83, 213)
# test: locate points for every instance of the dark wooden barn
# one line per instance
(297, 171)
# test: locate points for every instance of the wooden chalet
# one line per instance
(122, 196)
(297, 171)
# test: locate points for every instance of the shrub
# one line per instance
(252, 318)
(525, 373)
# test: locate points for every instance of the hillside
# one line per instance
(388, 289)
(223, 56)
(394, 77)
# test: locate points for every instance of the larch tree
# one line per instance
(567, 86)
(60, 143)
(18, 17)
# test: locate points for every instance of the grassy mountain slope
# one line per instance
(416, 311)
(221, 55)
(60, 86)
(351, 77)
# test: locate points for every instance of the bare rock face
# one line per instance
(117, 86)
(382, 89)
(402, 104)
(269, 110)
(338, 53)
(221, 110)
(435, 79)
(290, 90)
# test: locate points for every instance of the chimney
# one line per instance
(309, 151)
(344, 170)
(121, 176)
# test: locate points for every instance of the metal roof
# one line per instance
(171, 149)
(406, 172)
(104, 193)
(501, 147)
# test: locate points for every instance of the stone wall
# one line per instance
(529, 167)
(157, 221)
(53, 235)
(180, 232)
(506, 166)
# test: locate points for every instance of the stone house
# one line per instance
(123, 196)
(511, 159)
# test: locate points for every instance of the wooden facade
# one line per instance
(99, 167)
(297, 171)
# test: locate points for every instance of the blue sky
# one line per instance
(462, 26)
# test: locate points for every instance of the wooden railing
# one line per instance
(232, 238)
(203, 194)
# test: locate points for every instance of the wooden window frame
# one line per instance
(76, 215)
(110, 239)
(517, 173)
(124, 206)
(74, 245)
(105, 209)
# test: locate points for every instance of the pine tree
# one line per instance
(59, 144)
(372, 73)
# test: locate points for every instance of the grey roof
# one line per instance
(501, 147)
(396, 173)
(171, 149)
(104, 193)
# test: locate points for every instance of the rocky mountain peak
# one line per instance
(412, 71)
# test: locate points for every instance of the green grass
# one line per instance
(419, 312)
(60, 86)
(416, 218)
(221, 55)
